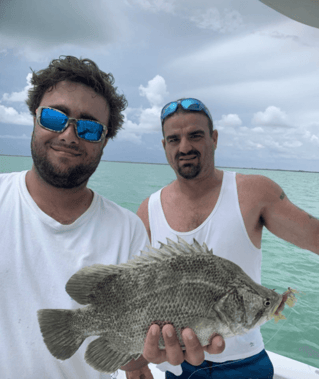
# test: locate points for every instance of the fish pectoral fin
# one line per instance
(103, 358)
(85, 284)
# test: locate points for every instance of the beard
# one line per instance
(52, 174)
(189, 173)
(189, 170)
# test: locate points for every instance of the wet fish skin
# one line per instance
(181, 284)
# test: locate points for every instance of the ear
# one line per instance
(35, 116)
(164, 143)
(105, 142)
(215, 138)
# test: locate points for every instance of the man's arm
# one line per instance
(284, 219)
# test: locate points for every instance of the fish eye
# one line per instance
(267, 302)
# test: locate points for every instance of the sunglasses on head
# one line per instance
(57, 121)
(188, 104)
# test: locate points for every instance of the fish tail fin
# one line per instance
(58, 333)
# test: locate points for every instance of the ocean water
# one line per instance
(284, 265)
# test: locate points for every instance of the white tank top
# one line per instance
(224, 231)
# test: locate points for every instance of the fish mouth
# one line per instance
(289, 298)
(280, 307)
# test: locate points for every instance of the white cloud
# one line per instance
(203, 15)
(150, 119)
(276, 146)
(314, 139)
(295, 144)
(212, 19)
(37, 26)
(155, 90)
(229, 120)
(292, 144)
(147, 119)
(257, 129)
(254, 145)
(167, 6)
(10, 116)
(19, 96)
(248, 70)
(148, 122)
(272, 116)
(130, 133)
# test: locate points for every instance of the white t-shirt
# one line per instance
(38, 255)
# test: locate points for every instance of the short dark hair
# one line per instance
(180, 109)
(82, 71)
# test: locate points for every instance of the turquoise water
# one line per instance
(284, 265)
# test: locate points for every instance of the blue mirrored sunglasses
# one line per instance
(188, 104)
(57, 121)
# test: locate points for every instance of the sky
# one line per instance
(255, 69)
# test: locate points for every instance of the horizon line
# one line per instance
(244, 168)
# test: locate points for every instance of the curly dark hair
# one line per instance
(82, 71)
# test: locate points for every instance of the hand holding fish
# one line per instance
(173, 353)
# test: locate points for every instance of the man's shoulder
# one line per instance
(253, 179)
(257, 186)
(4, 175)
(142, 211)
(143, 208)
(9, 178)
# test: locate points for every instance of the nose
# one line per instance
(69, 135)
(185, 145)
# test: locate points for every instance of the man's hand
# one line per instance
(142, 373)
(173, 352)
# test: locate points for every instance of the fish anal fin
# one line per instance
(103, 358)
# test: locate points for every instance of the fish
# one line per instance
(180, 284)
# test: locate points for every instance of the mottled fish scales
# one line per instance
(180, 284)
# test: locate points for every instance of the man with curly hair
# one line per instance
(52, 224)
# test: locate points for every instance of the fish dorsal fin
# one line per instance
(82, 284)
(171, 250)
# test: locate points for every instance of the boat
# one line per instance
(304, 11)
(287, 368)
(284, 368)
